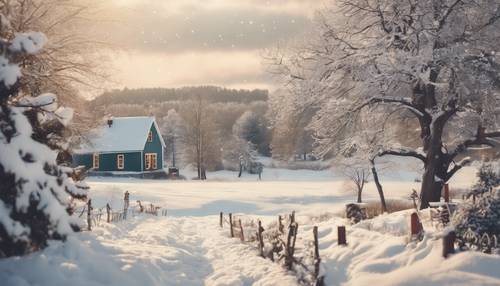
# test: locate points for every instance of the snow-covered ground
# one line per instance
(188, 248)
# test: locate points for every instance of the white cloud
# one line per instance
(299, 7)
(239, 69)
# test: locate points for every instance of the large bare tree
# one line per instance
(378, 60)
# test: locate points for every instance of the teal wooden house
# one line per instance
(123, 145)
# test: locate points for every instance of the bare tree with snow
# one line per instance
(436, 61)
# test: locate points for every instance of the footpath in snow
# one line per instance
(146, 251)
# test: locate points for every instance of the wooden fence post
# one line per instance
(281, 228)
(317, 259)
(231, 224)
(341, 235)
(242, 237)
(221, 220)
(108, 209)
(449, 244)
(415, 225)
(446, 193)
(289, 243)
(89, 213)
(261, 239)
(292, 217)
(295, 231)
(126, 201)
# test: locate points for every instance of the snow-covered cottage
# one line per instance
(124, 144)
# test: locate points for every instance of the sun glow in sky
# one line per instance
(170, 43)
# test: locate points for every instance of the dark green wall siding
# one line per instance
(108, 161)
(82, 160)
(154, 147)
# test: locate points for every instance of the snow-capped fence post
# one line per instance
(89, 214)
(446, 193)
(341, 234)
(261, 239)
(242, 236)
(108, 209)
(231, 224)
(221, 220)
(449, 244)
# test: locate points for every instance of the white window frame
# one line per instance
(120, 158)
(95, 161)
(151, 161)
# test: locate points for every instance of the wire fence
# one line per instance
(96, 216)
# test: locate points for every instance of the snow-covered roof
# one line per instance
(125, 134)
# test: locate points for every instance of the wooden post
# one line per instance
(341, 235)
(317, 259)
(108, 209)
(231, 224)
(89, 213)
(289, 250)
(446, 193)
(415, 224)
(292, 217)
(295, 231)
(125, 204)
(242, 236)
(449, 244)
(221, 220)
(261, 239)
(280, 225)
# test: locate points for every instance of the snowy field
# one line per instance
(188, 248)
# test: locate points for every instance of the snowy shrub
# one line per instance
(35, 192)
(477, 220)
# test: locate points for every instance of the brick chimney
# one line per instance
(110, 122)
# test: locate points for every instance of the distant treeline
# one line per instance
(158, 95)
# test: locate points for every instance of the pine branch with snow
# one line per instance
(36, 193)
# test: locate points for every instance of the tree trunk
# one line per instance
(359, 195)
(431, 183)
(436, 163)
(379, 187)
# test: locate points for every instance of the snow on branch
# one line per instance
(400, 102)
(400, 152)
(482, 138)
(464, 162)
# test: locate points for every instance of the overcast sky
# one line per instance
(171, 43)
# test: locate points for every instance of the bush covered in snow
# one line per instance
(477, 221)
(35, 191)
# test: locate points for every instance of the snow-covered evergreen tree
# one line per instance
(35, 192)
(477, 221)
